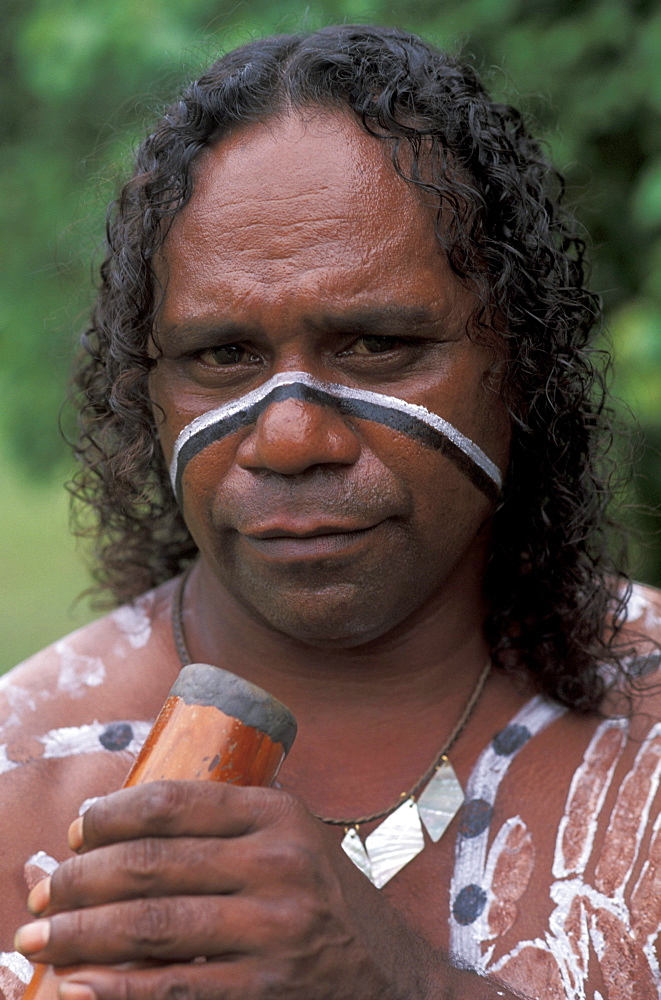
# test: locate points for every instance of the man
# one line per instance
(341, 294)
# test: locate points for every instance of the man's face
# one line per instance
(302, 250)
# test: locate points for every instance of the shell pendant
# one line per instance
(399, 838)
(390, 847)
(441, 800)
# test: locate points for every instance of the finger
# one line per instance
(236, 979)
(170, 929)
(153, 866)
(259, 864)
(40, 897)
(177, 808)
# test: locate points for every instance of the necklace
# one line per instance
(432, 802)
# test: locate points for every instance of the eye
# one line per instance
(230, 354)
(373, 344)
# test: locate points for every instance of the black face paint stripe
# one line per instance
(387, 410)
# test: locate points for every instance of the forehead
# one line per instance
(309, 201)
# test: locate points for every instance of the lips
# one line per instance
(307, 541)
(298, 530)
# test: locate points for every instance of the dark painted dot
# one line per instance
(510, 739)
(643, 666)
(475, 817)
(116, 736)
(468, 904)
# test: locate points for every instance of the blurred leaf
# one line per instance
(646, 207)
(636, 331)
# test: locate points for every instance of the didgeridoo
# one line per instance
(214, 726)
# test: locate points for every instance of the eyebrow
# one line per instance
(391, 319)
(201, 329)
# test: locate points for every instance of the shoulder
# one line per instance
(123, 661)
(642, 624)
(636, 694)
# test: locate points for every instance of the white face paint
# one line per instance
(407, 418)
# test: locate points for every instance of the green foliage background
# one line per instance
(80, 79)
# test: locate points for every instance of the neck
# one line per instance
(435, 657)
(357, 704)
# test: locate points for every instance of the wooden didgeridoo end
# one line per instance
(214, 726)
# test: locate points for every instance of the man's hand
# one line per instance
(229, 893)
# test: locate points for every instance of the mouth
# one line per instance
(308, 542)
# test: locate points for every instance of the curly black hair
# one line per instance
(556, 592)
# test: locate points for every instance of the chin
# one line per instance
(334, 618)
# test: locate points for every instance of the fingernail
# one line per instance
(39, 898)
(32, 937)
(75, 834)
(75, 991)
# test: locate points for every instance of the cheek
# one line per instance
(204, 477)
(450, 516)
(494, 431)
(434, 480)
(443, 512)
(447, 528)
(173, 406)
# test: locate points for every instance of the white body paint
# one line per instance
(44, 862)
(583, 773)
(86, 803)
(580, 929)
(640, 607)
(650, 944)
(5, 763)
(472, 450)
(134, 622)
(77, 671)
(515, 823)
(648, 760)
(71, 740)
(471, 854)
(17, 964)
(637, 604)
(19, 702)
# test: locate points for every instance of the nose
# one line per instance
(294, 435)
